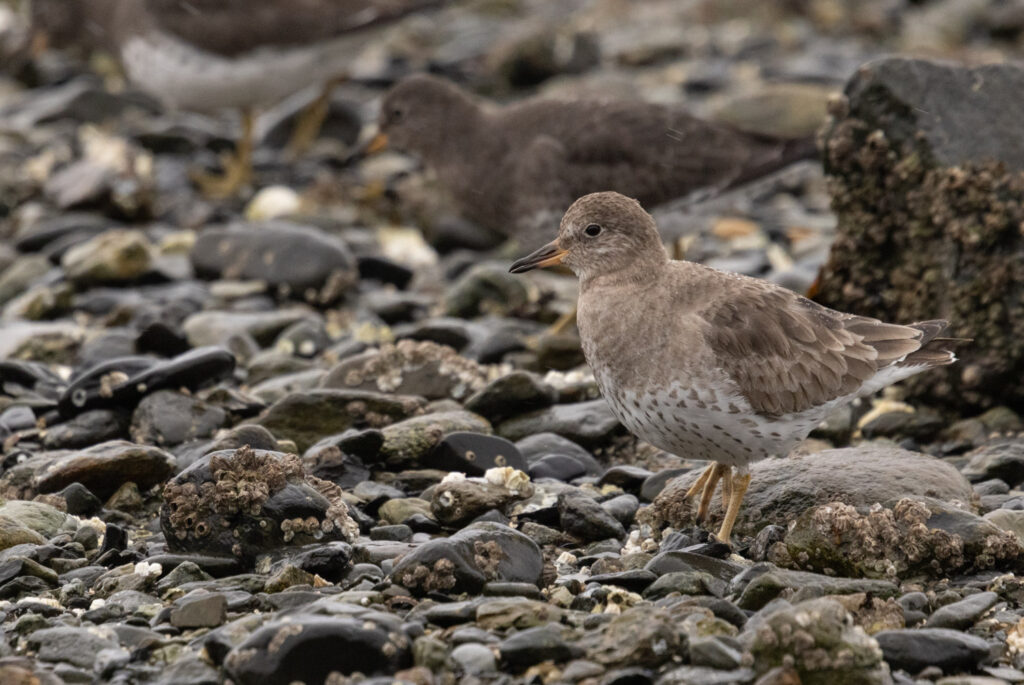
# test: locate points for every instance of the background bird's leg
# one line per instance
(311, 120)
(563, 322)
(237, 167)
(709, 491)
(739, 488)
(698, 484)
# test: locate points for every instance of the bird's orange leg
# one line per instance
(740, 483)
(698, 485)
(709, 490)
(237, 167)
(311, 120)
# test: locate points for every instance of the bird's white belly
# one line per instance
(707, 423)
(184, 77)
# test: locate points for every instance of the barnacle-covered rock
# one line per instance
(930, 205)
(410, 367)
(247, 501)
(464, 562)
(819, 639)
(459, 500)
(906, 538)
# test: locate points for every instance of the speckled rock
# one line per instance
(820, 640)
(783, 489)
(248, 501)
(409, 367)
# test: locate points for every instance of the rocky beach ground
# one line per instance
(318, 433)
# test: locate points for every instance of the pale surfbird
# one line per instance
(209, 55)
(516, 169)
(713, 365)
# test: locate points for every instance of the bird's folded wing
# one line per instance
(788, 354)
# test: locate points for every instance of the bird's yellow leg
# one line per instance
(311, 120)
(726, 487)
(709, 491)
(237, 167)
(698, 485)
(740, 483)
(563, 322)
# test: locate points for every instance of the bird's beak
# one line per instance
(549, 255)
(377, 144)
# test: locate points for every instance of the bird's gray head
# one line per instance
(425, 116)
(602, 234)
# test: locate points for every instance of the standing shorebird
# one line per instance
(207, 55)
(714, 365)
(516, 169)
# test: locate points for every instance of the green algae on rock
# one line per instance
(926, 167)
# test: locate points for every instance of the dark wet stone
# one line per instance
(377, 268)
(533, 645)
(635, 580)
(680, 560)
(557, 467)
(654, 484)
(921, 424)
(76, 646)
(306, 417)
(464, 562)
(949, 650)
(915, 607)
(102, 468)
(623, 508)
(516, 393)
(199, 610)
(473, 454)
(583, 518)
(963, 614)
(762, 583)
(283, 652)
(765, 538)
(689, 583)
(536, 447)
(399, 532)
(121, 382)
(629, 478)
(88, 428)
(331, 561)
(715, 651)
(248, 501)
(80, 501)
(168, 417)
(295, 258)
(587, 423)
(1002, 459)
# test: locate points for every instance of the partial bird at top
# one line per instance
(206, 55)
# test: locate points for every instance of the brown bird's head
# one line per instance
(425, 116)
(602, 234)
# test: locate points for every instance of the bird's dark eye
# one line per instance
(396, 114)
(593, 230)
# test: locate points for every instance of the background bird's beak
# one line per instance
(378, 143)
(549, 255)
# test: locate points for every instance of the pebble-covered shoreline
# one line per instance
(319, 434)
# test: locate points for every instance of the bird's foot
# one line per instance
(307, 128)
(738, 489)
(237, 174)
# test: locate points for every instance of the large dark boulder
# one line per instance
(926, 165)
